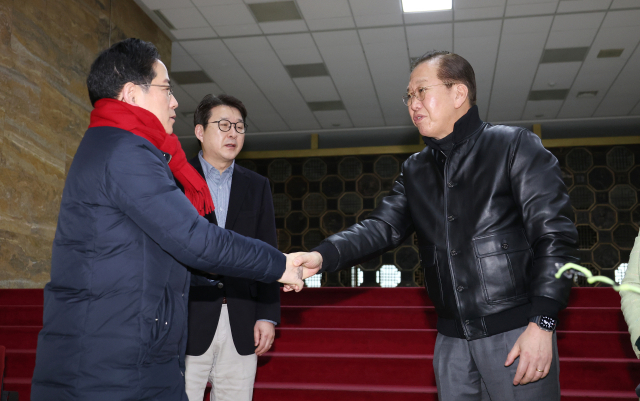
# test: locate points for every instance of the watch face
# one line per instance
(547, 323)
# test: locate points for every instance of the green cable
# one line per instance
(592, 279)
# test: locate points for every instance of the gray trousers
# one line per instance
(475, 371)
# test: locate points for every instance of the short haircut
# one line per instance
(452, 68)
(130, 60)
(209, 102)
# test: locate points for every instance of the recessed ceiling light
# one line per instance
(586, 94)
(418, 6)
(608, 53)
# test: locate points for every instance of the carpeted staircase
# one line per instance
(375, 344)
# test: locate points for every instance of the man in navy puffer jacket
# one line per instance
(115, 311)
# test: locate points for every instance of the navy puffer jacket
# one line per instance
(115, 310)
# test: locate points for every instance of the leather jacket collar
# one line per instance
(463, 128)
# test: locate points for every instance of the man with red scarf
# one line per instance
(114, 325)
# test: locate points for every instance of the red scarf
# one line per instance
(114, 113)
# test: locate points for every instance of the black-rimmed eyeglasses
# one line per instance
(225, 126)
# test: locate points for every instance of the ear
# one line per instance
(128, 94)
(199, 132)
(461, 95)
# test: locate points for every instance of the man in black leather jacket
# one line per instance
(493, 221)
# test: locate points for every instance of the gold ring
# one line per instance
(541, 371)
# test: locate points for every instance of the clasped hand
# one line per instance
(300, 265)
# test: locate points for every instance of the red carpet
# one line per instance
(375, 344)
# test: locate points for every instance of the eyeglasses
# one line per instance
(420, 93)
(225, 126)
(170, 92)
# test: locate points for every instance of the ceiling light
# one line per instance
(418, 6)
(564, 55)
(549, 94)
(608, 53)
(586, 94)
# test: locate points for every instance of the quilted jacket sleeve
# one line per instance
(139, 183)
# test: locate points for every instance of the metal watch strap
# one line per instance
(545, 323)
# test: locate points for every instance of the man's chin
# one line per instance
(232, 156)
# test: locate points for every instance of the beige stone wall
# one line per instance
(46, 49)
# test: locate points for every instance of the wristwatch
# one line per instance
(545, 323)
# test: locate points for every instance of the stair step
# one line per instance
(19, 363)
(600, 374)
(399, 317)
(417, 296)
(19, 337)
(424, 317)
(347, 369)
(310, 392)
(594, 296)
(595, 395)
(587, 374)
(360, 296)
(355, 341)
(298, 391)
(592, 319)
(21, 385)
(21, 315)
(421, 341)
(595, 344)
(22, 296)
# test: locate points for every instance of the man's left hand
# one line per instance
(263, 334)
(535, 349)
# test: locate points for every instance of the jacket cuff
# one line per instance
(543, 306)
(330, 256)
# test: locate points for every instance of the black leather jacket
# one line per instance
(491, 226)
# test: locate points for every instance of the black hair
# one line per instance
(452, 68)
(130, 60)
(209, 102)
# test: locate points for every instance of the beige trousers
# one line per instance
(231, 375)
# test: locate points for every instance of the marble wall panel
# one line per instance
(46, 50)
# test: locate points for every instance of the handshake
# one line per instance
(300, 265)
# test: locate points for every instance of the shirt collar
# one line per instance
(208, 169)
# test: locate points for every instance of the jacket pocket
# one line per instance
(503, 260)
(161, 326)
(429, 263)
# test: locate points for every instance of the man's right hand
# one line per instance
(310, 262)
(292, 277)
